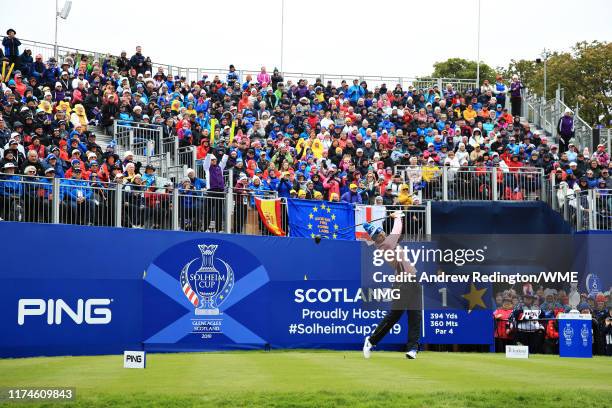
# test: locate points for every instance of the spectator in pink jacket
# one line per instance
(263, 78)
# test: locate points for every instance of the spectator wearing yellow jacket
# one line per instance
(469, 113)
(404, 197)
(78, 117)
(430, 171)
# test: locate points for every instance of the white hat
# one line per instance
(550, 292)
(127, 154)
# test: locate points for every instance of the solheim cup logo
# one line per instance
(593, 284)
(207, 288)
(568, 334)
(584, 333)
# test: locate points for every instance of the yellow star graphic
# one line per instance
(328, 210)
(334, 236)
(221, 297)
(314, 209)
(309, 226)
(333, 217)
(312, 235)
(323, 206)
(335, 226)
(310, 216)
(474, 297)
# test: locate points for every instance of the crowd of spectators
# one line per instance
(529, 317)
(334, 141)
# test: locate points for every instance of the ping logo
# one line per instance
(88, 311)
(134, 359)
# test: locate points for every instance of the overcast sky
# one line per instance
(380, 37)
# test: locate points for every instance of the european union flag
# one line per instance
(308, 218)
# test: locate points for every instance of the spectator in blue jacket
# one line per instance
(11, 47)
(284, 186)
(355, 92)
(78, 196)
(258, 189)
(51, 74)
(232, 76)
(52, 162)
(352, 196)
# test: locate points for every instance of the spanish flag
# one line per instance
(270, 214)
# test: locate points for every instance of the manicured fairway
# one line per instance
(320, 379)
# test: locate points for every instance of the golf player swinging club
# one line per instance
(409, 300)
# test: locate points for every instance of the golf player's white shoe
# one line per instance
(367, 347)
(411, 355)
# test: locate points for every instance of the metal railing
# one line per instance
(545, 114)
(592, 210)
(196, 74)
(148, 145)
(160, 206)
(470, 183)
(417, 221)
(244, 216)
(602, 209)
(142, 139)
(583, 209)
(605, 137)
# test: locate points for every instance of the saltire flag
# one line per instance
(270, 214)
(308, 218)
(367, 213)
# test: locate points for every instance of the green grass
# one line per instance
(320, 379)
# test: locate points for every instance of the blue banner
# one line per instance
(457, 313)
(120, 289)
(575, 335)
(330, 220)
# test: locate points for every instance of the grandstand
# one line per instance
(418, 127)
